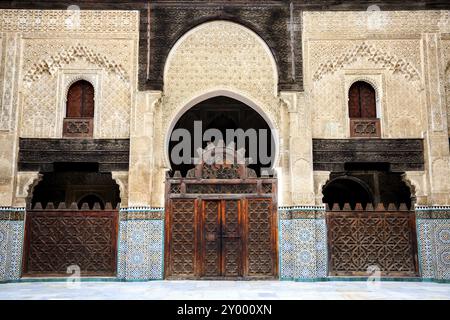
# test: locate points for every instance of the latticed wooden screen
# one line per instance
(57, 240)
(363, 241)
(182, 235)
(260, 259)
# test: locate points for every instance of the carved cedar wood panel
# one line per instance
(232, 244)
(56, 240)
(360, 240)
(182, 235)
(211, 238)
(260, 259)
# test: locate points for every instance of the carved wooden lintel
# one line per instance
(41, 154)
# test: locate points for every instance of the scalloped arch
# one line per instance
(371, 53)
(52, 64)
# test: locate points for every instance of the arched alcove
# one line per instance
(347, 190)
(72, 182)
(224, 113)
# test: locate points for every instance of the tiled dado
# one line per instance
(302, 243)
(11, 242)
(433, 233)
(141, 244)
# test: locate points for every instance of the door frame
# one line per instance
(182, 185)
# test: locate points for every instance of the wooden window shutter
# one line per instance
(80, 100)
(362, 101)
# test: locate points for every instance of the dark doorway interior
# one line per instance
(76, 183)
(369, 186)
(223, 113)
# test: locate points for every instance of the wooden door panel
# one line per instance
(362, 101)
(80, 100)
(181, 236)
(354, 102)
(368, 102)
(260, 238)
(231, 239)
(211, 238)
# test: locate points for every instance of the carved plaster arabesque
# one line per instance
(52, 64)
(103, 40)
(121, 178)
(220, 56)
(417, 183)
(372, 54)
(321, 178)
(401, 105)
(42, 111)
(26, 182)
(51, 21)
(8, 98)
(357, 25)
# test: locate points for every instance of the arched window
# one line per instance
(362, 109)
(79, 110)
(362, 101)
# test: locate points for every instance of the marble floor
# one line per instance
(224, 290)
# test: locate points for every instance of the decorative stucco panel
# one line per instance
(97, 46)
(218, 56)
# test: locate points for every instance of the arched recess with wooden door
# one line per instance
(221, 213)
(371, 225)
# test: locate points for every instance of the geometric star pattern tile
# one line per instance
(303, 249)
(141, 249)
(434, 246)
(11, 239)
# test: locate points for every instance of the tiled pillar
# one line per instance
(302, 243)
(11, 242)
(141, 244)
(433, 234)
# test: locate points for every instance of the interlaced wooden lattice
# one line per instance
(58, 240)
(259, 237)
(183, 237)
(363, 241)
(212, 243)
(232, 247)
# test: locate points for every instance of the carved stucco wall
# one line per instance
(42, 52)
(220, 58)
(384, 50)
(400, 54)
(215, 58)
(60, 47)
(220, 55)
(446, 66)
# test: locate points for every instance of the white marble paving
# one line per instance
(224, 290)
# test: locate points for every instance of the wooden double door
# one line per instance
(221, 239)
(221, 229)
